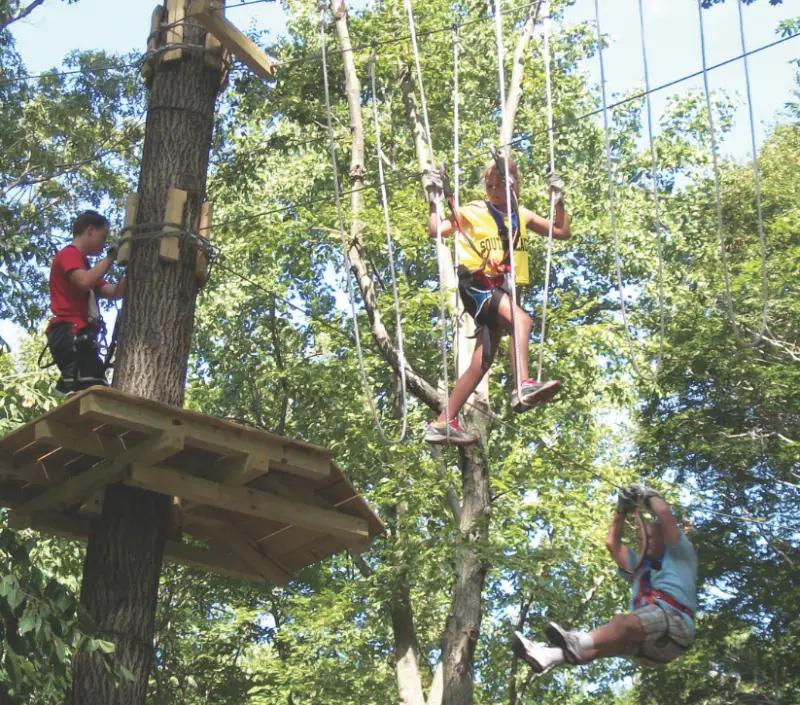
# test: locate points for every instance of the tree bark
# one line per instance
(126, 543)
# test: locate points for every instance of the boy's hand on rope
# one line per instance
(433, 185)
(112, 252)
(555, 185)
(641, 494)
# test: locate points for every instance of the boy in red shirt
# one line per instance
(74, 290)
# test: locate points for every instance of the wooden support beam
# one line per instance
(204, 230)
(246, 501)
(110, 470)
(234, 541)
(184, 554)
(169, 249)
(216, 57)
(235, 471)
(131, 207)
(222, 439)
(175, 20)
(61, 436)
(208, 13)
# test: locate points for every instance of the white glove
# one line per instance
(555, 184)
(432, 183)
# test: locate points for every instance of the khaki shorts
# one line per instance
(667, 637)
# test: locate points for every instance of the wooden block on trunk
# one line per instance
(169, 249)
(175, 19)
(148, 68)
(131, 206)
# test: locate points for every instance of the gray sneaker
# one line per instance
(532, 392)
(568, 642)
(529, 651)
(437, 434)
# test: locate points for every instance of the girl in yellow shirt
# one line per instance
(482, 232)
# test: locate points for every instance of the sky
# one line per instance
(671, 28)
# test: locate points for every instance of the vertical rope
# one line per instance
(340, 214)
(717, 188)
(757, 184)
(656, 205)
(611, 203)
(545, 5)
(456, 189)
(390, 248)
(498, 27)
(442, 304)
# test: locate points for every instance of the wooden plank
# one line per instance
(235, 472)
(246, 501)
(60, 435)
(175, 19)
(169, 248)
(208, 14)
(233, 541)
(76, 529)
(209, 434)
(131, 206)
(204, 230)
(106, 471)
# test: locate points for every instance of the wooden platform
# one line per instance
(250, 504)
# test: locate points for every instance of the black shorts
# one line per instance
(77, 356)
(476, 291)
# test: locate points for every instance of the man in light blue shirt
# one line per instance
(660, 626)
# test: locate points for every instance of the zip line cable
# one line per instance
(390, 248)
(551, 145)
(456, 189)
(510, 207)
(659, 227)
(340, 213)
(438, 205)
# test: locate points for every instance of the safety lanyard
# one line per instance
(502, 229)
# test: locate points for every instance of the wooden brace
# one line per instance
(169, 249)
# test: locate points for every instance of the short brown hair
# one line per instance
(493, 170)
(88, 219)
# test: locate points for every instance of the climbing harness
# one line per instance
(659, 227)
(442, 304)
(551, 143)
(389, 247)
(717, 189)
(611, 201)
(342, 232)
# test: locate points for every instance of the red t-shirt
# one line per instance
(69, 303)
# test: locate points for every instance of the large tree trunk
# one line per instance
(126, 542)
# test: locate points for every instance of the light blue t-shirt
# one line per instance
(677, 577)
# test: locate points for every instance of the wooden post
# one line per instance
(175, 15)
(169, 250)
(204, 230)
(216, 56)
(131, 207)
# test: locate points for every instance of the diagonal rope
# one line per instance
(442, 303)
(659, 227)
(340, 214)
(611, 202)
(390, 247)
(551, 140)
(498, 31)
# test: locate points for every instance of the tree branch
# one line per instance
(21, 15)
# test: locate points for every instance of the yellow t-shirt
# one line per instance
(481, 228)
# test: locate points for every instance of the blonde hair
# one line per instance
(492, 172)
